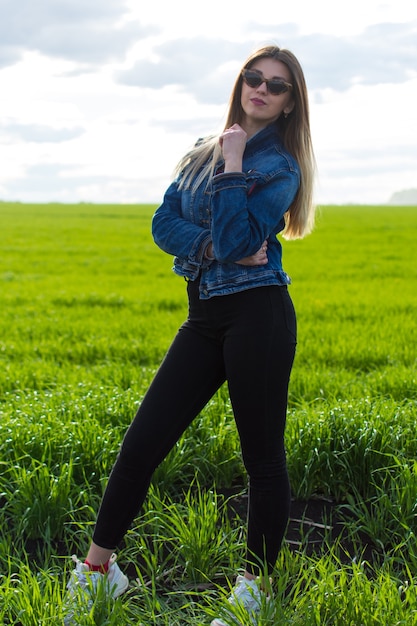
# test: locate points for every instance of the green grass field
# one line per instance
(89, 305)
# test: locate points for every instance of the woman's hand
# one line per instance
(233, 143)
(259, 258)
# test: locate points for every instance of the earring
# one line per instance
(285, 114)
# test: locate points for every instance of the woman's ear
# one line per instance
(289, 108)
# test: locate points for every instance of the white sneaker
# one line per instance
(84, 583)
(247, 594)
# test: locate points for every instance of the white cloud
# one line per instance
(365, 140)
(100, 99)
(85, 32)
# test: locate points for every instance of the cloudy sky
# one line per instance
(100, 98)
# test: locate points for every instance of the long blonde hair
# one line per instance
(200, 162)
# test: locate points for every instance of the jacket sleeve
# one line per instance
(242, 219)
(176, 235)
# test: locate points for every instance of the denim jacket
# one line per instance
(237, 212)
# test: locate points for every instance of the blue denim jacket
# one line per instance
(236, 212)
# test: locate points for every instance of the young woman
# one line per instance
(232, 195)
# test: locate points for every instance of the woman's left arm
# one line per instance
(242, 221)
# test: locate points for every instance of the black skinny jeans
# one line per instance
(248, 339)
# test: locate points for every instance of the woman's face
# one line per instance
(259, 105)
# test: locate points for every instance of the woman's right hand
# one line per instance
(259, 258)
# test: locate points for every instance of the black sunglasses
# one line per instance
(275, 86)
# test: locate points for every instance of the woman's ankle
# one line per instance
(98, 558)
(103, 568)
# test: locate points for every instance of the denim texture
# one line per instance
(237, 212)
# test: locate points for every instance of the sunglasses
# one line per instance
(275, 86)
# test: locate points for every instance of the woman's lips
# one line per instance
(257, 101)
